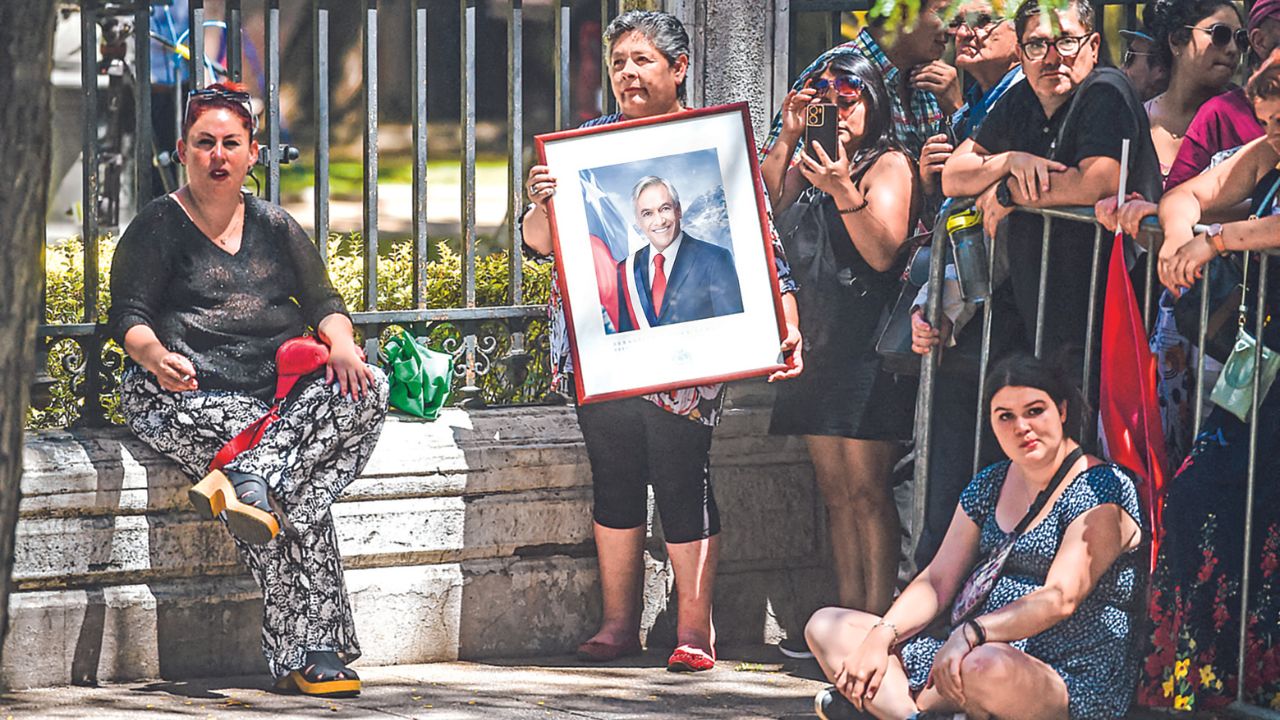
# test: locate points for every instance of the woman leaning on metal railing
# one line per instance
(1203, 585)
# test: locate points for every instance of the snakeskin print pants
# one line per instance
(308, 457)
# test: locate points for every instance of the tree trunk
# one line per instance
(26, 53)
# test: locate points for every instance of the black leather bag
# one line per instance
(893, 337)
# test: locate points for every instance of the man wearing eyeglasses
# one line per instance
(1142, 65)
(1054, 141)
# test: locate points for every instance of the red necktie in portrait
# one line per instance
(659, 283)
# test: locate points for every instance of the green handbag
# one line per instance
(1234, 390)
(419, 376)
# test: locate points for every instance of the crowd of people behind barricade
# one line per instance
(1033, 595)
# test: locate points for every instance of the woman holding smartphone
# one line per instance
(845, 215)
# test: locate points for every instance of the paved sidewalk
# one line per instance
(753, 682)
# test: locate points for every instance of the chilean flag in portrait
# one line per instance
(609, 231)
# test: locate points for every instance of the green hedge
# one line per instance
(64, 280)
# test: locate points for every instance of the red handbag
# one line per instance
(295, 359)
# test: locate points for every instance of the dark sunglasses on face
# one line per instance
(1221, 34)
(975, 21)
(847, 87)
(1067, 46)
(239, 98)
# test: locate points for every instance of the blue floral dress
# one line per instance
(1093, 649)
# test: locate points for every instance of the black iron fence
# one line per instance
(481, 338)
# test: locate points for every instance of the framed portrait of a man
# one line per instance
(663, 252)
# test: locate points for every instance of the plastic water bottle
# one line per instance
(969, 251)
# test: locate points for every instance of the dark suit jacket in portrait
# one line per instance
(703, 283)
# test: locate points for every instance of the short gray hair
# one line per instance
(649, 181)
(662, 30)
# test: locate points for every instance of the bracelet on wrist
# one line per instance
(855, 209)
(1215, 239)
(892, 628)
(979, 632)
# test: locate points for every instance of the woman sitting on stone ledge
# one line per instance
(1052, 636)
(207, 283)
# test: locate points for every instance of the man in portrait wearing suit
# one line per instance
(675, 278)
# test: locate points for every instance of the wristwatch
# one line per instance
(1214, 235)
(1004, 195)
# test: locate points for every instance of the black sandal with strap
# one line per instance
(245, 500)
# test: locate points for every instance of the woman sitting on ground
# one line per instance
(207, 283)
(1052, 639)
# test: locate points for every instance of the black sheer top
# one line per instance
(227, 313)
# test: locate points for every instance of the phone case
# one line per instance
(820, 126)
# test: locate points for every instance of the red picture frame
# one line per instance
(681, 346)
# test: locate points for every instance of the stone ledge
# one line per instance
(469, 537)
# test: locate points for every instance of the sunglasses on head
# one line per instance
(240, 98)
(845, 86)
(976, 21)
(1221, 34)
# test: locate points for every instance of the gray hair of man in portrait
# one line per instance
(649, 181)
(663, 30)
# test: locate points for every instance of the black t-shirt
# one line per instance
(1102, 118)
(227, 313)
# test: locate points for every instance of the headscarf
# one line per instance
(848, 48)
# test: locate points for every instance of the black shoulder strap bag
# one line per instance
(973, 594)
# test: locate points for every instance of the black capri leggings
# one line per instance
(632, 443)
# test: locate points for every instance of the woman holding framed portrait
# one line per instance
(662, 439)
(846, 212)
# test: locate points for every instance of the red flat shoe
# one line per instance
(597, 651)
(688, 658)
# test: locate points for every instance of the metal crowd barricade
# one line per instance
(1151, 238)
(485, 335)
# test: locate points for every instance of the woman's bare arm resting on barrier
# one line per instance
(1216, 191)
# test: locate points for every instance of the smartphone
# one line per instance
(820, 126)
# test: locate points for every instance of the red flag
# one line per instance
(1129, 406)
(606, 277)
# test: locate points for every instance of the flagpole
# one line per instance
(1124, 178)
